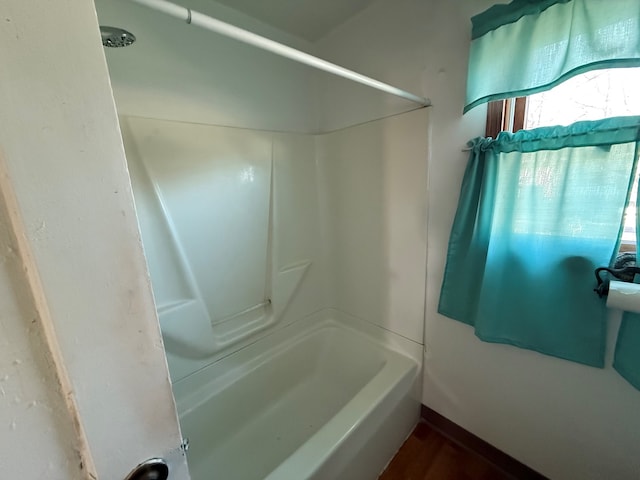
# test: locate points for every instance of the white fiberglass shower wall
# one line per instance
(229, 219)
(249, 229)
(246, 231)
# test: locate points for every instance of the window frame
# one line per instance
(505, 116)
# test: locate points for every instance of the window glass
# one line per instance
(628, 239)
(590, 96)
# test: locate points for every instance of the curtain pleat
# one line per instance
(627, 355)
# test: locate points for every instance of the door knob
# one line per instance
(152, 469)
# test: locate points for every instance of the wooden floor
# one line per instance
(427, 455)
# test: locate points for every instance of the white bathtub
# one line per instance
(321, 401)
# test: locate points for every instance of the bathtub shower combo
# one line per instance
(288, 272)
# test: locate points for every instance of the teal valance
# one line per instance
(529, 46)
(503, 14)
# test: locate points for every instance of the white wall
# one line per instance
(231, 230)
(373, 196)
(178, 72)
(566, 420)
(231, 217)
(34, 418)
(76, 229)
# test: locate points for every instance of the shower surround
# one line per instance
(288, 273)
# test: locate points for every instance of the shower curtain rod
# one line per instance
(193, 17)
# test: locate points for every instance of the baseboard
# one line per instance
(467, 440)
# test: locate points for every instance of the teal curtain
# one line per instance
(529, 46)
(627, 355)
(539, 210)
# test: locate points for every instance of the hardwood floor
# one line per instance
(427, 455)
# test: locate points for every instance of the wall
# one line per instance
(230, 224)
(230, 218)
(178, 72)
(563, 419)
(33, 413)
(373, 200)
(65, 185)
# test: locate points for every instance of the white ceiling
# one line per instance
(308, 19)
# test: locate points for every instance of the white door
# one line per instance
(84, 386)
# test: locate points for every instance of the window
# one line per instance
(505, 116)
(592, 95)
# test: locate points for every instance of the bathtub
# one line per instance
(317, 401)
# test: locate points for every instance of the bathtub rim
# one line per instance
(192, 390)
(388, 386)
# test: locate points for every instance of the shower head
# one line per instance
(116, 37)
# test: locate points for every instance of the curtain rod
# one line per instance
(198, 19)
